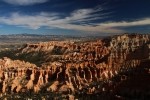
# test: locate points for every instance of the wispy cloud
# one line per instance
(139, 22)
(82, 20)
(52, 20)
(24, 2)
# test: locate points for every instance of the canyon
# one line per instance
(99, 68)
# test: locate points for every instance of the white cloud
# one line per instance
(83, 18)
(144, 21)
(52, 20)
(24, 2)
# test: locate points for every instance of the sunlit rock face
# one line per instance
(77, 65)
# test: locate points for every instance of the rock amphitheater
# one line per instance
(93, 70)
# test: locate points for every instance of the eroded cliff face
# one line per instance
(77, 67)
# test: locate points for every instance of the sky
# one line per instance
(74, 17)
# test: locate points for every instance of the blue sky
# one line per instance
(74, 17)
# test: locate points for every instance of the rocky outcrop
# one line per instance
(79, 67)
